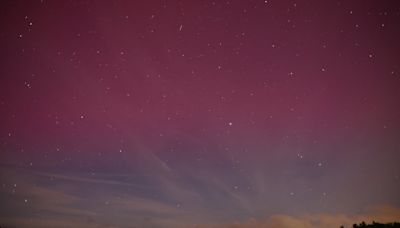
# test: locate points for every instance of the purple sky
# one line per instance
(183, 113)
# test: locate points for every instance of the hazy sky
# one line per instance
(184, 113)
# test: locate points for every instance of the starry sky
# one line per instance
(229, 113)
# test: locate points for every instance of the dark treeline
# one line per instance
(376, 225)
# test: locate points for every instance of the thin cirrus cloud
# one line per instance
(383, 213)
(45, 199)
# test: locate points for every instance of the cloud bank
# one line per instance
(383, 213)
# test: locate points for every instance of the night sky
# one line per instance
(199, 113)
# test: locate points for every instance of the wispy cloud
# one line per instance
(48, 199)
(383, 213)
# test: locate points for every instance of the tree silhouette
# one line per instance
(376, 225)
